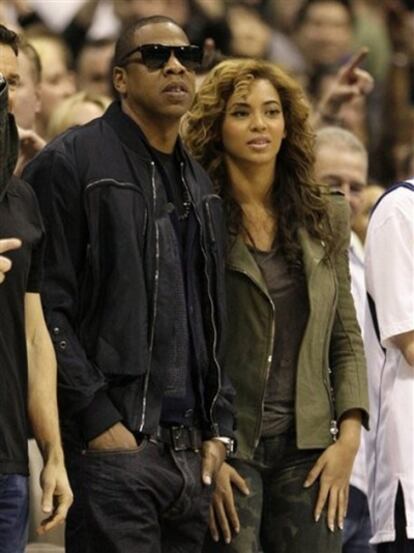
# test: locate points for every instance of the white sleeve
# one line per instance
(390, 265)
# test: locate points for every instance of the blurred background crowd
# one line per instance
(67, 48)
(74, 39)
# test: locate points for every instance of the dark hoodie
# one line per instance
(19, 218)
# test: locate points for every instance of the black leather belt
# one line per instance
(180, 438)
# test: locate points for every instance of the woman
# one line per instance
(294, 350)
(78, 109)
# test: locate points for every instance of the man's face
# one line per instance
(326, 34)
(27, 97)
(94, 69)
(165, 93)
(57, 81)
(343, 170)
(10, 70)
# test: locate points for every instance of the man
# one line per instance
(134, 300)
(27, 104)
(389, 333)
(341, 162)
(27, 361)
(324, 32)
(94, 67)
(58, 80)
(27, 98)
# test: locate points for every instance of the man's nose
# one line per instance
(174, 65)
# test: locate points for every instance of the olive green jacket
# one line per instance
(331, 372)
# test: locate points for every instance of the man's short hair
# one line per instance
(9, 38)
(339, 138)
(35, 64)
(98, 43)
(126, 43)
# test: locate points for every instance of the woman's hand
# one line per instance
(333, 468)
(223, 513)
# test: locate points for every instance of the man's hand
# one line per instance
(57, 496)
(7, 244)
(116, 437)
(351, 81)
(223, 511)
(213, 454)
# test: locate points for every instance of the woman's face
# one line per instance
(254, 125)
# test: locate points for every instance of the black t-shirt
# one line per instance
(19, 218)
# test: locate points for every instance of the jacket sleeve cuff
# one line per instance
(100, 415)
(224, 428)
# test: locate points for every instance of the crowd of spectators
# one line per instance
(330, 46)
(312, 40)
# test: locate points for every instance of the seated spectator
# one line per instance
(27, 104)
(324, 33)
(58, 80)
(93, 68)
(252, 37)
(78, 109)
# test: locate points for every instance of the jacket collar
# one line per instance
(241, 259)
(131, 134)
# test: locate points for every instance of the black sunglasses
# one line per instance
(155, 56)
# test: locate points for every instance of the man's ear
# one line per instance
(119, 79)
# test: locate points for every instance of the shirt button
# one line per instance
(62, 345)
(56, 331)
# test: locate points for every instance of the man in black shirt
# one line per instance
(134, 297)
(27, 361)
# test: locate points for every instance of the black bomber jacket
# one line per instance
(108, 234)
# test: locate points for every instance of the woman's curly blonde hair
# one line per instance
(297, 199)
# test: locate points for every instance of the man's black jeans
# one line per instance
(148, 500)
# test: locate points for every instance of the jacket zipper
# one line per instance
(333, 427)
(113, 181)
(211, 302)
(155, 299)
(156, 273)
(270, 351)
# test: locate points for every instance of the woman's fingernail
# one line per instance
(341, 525)
(331, 528)
(317, 517)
